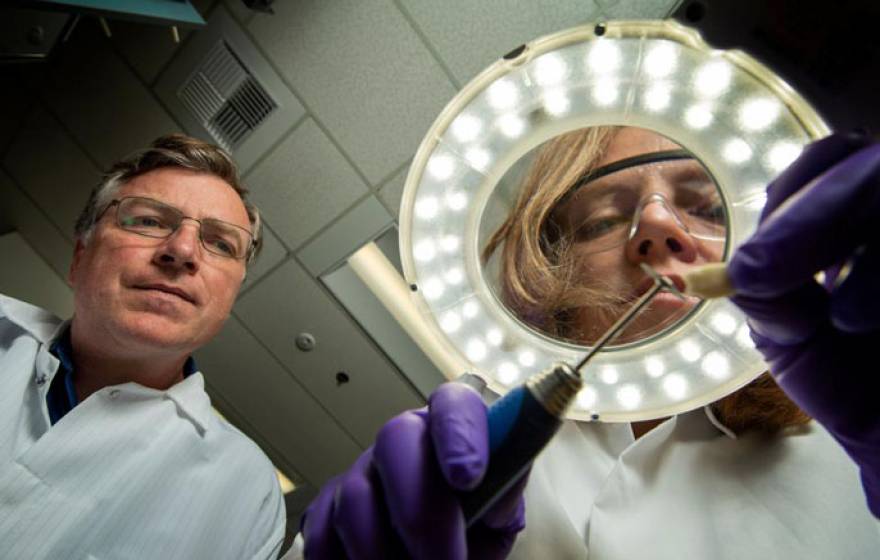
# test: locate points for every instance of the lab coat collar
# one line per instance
(188, 395)
(41, 324)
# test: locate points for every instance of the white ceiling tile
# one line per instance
(289, 302)
(272, 253)
(100, 100)
(363, 71)
(147, 47)
(49, 166)
(40, 233)
(469, 36)
(640, 9)
(303, 184)
(391, 193)
(247, 377)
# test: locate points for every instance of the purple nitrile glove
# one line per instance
(399, 498)
(821, 341)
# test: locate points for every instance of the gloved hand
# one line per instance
(398, 500)
(821, 341)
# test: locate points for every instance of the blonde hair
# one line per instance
(537, 271)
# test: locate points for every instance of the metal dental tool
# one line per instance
(523, 422)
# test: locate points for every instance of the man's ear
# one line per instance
(75, 263)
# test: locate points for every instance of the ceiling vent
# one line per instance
(222, 89)
(225, 98)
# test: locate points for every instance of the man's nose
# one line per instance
(181, 248)
(659, 235)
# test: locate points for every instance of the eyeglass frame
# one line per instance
(249, 252)
(637, 161)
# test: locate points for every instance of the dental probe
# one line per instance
(524, 421)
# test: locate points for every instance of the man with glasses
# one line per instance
(108, 444)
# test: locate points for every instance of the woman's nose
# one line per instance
(659, 234)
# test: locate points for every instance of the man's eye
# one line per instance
(150, 222)
(221, 245)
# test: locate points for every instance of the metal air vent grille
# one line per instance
(225, 97)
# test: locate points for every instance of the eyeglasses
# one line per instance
(151, 218)
(608, 210)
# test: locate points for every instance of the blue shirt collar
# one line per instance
(61, 397)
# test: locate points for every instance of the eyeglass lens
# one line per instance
(152, 218)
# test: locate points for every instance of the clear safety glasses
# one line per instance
(608, 206)
(151, 218)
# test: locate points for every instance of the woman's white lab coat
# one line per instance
(688, 490)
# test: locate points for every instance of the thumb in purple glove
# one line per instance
(401, 494)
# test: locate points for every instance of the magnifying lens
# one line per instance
(560, 106)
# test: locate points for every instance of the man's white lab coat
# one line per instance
(131, 472)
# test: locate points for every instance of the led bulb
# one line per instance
(781, 155)
(661, 60)
(716, 365)
(427, 208)
(456, 200)
(713, 79)
(466, 127)
(629, 396)
(424, 250)
(609, 375)
(441, 167)
(758, 114)
(450, 243)
(689, 350)
(478, 158)
(433, 288)
(476, 350)
(495, 337)
(470, 309)
(450, 322)
(511, 126)
(675, 385)
(724, 323)
(654, 366)
(604, 57)
(556, 103)
(736, 151)
(508, 373)
(605, 92)
(550, 69)
(657, 97)
(698, 116)
(454, 276)
(503, 94)
(587, 398)
(526, 358)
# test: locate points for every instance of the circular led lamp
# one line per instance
(742, 121)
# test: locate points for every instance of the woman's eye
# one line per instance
(592, 229)
(713, 213)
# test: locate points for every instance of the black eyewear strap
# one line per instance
(634, 161)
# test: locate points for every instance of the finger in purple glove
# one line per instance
(359, 515)
(460, 433)
(424, 511)
(855, 307)
(821, 226)
(316, 526)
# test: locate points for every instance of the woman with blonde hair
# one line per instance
(750, 476)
